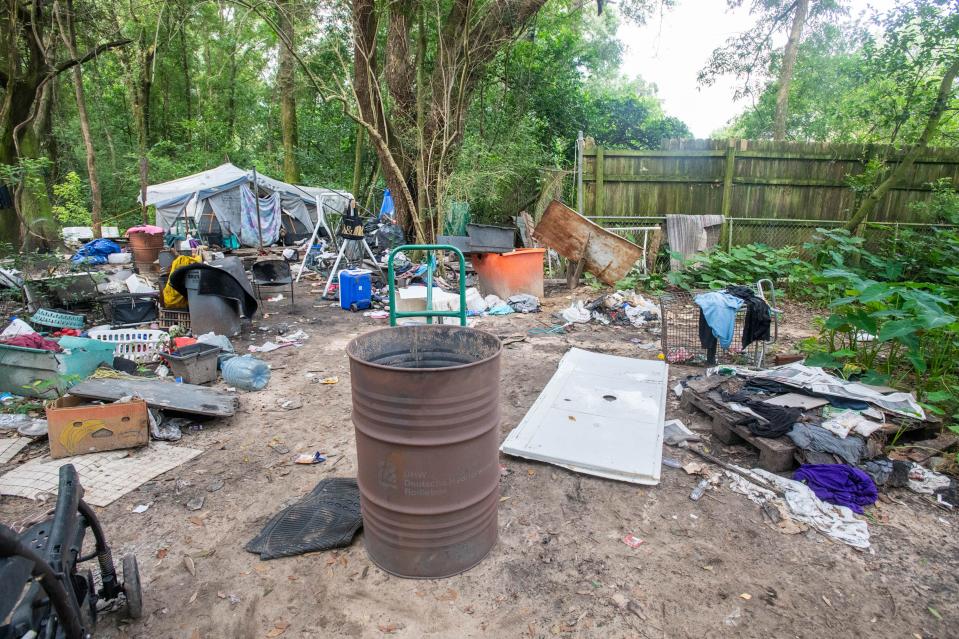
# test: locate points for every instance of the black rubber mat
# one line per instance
(327, 518)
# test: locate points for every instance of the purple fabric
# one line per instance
(839, 484)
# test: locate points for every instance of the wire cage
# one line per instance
(679, 315)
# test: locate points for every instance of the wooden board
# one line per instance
(775, 455)
(185, 398)
(607, 256)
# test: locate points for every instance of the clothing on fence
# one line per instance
(687, 235)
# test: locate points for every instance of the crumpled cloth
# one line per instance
(172, 298)
(837, 522)
(839, 484)
(524, 303)
(818, 439)
(144, 228)
(33, 340)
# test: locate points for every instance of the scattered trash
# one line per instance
(276, 298)
(34, 428)
(290, 404)
(675, 433)
(13, 421)
(577, 313)
(330, 380)
(699, 490)
(246, 373)
(196, 503)
(524, 303)
(633, 541)
(214, 485)
(141, 508)
(309, 458)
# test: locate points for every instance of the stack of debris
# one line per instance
(848, 437)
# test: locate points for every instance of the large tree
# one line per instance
(753, 56)
(31, 57)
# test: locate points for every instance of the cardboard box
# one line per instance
(77, 427)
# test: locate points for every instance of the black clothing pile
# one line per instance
(779, 419)
(758, 320)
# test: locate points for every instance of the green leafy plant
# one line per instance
(71, 207)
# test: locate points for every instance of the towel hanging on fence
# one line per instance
(687, 235)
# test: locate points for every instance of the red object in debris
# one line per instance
(507, 274)
(632, 541)
(180, 342)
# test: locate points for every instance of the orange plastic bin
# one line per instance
(506, 274)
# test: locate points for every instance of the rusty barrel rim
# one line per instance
(369, 334)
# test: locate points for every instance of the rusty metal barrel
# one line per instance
(426, 413)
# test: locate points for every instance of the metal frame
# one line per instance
(429, 313)
(767, 293)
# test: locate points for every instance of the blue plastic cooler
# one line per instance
(355, 289)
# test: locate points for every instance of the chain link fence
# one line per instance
(650, 232)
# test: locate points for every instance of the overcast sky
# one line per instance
(670, 51)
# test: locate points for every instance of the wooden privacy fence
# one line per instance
(752, 179)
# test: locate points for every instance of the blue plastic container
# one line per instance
(355, 289)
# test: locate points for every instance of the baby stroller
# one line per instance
(43, 594)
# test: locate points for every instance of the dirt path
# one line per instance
(711, 568)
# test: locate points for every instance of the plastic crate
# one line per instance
(196, 363)
(140, 345)
(171, 317)
(58, 319)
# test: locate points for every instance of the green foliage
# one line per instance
(70, 208)
(869, 81)
(744, 265)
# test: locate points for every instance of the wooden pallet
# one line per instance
(775, 455)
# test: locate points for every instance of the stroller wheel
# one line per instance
(131, 586)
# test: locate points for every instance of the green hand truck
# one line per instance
(429, 313)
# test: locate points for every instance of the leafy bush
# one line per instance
(717, 269)
(71, 206)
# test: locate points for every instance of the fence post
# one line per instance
(729, 241)
(728, 177)
(599, 201)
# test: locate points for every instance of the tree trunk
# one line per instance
(909, 159)
(286, 87)
(69, 36)
(789, 65)
(357, 162)
(141, 111)
(185, 70)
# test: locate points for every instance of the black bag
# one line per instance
(132, 309)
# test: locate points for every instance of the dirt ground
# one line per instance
(711, 568)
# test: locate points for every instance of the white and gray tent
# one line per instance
(220, 201)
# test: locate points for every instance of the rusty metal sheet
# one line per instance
(608, 256)
(185, 398)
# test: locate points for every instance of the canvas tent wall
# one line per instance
(224, 194)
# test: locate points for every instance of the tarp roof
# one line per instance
(226, 176)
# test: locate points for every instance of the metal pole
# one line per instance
(256, 200)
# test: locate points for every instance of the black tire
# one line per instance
(354, 308)
(131, 587)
